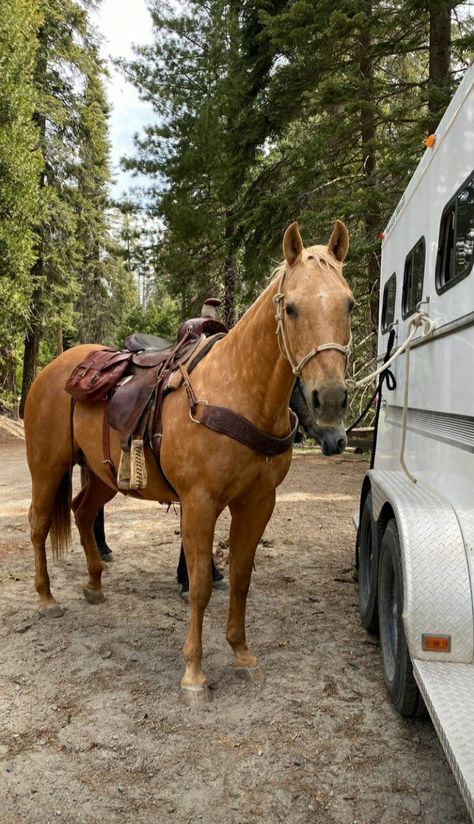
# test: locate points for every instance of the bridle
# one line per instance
(282, 341)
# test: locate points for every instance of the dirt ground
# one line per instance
(91, 726)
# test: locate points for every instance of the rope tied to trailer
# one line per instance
(386, 376)
(419, 320)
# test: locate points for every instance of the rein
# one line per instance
(296, 367)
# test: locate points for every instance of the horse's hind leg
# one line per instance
(85, 506)
(47, 491)
(248, 525)
(198, 524)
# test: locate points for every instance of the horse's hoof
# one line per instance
(185, 596)
(107, 557)
(94, 596)
(196, 696)
(51, 610)
(220, 584)
(253, 675)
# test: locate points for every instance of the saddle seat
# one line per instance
(140, 341)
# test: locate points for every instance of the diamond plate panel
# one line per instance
(437, 584)
(448, 692)
(466, 522)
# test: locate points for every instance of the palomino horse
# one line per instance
(251, 370)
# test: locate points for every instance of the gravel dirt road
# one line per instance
(91, 726)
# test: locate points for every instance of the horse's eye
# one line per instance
(350, 304)
(290, 310)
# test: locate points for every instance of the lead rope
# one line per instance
(419, 319)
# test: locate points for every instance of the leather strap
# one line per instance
(71, 433)
(226, 422)
(107, 461)
(223, 420)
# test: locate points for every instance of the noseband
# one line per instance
(283, 344)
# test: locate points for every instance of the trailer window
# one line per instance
(456, 238)
(413, 278)
(388, 302)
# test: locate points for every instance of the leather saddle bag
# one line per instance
(95, 377)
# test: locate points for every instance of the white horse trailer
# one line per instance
(416, 534)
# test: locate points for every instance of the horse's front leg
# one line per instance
(198, 524)
(248, 525)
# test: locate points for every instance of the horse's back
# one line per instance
(53, 372)
(48, 405)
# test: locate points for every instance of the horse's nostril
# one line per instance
(316, 402)
(341, 444)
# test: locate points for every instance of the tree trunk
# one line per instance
(30, 363)
(230, 273)
(8, 382)
(369, 168)
(439, 90)
(33, 333)
(59, 338)
(230, 283)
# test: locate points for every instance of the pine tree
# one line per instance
(19, 170)
(204, 76)
(91, 201)
(350, 96)
(75, 264)
(59, 61)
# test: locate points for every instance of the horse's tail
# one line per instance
(60, 532)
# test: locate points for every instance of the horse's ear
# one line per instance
(339, 241)
(292, 244)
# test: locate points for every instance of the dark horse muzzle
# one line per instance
(332, 440)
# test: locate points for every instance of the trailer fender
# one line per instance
(436, 583)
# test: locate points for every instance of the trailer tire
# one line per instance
(397, 665)
(368, 547)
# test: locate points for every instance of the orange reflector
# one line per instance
(430, 141)
(436, 643)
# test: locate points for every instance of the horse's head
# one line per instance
(314, 307)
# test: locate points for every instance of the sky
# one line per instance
(121, 24)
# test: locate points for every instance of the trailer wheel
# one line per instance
(397, 666)
(368, 568)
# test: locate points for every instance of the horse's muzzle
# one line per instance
(333, 441)
(330, 402)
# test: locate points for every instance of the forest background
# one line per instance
(264, 112)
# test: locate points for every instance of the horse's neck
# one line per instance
(260, 377)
